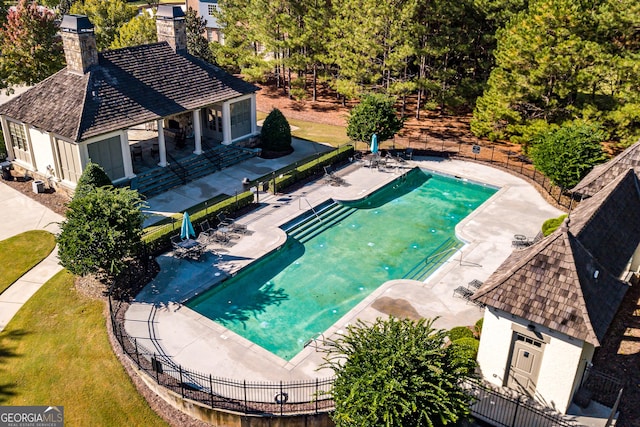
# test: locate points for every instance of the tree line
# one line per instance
(524, 67)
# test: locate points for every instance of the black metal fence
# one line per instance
(504, 409)
(248, 397)
(499, 155)
(600, 386)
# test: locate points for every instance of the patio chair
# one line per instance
(178, 250)
(475, 283)
(464, 292)
(136, 152)
(206, 230)
(231, 224)
(331, 176)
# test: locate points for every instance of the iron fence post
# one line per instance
(515, 413)
(246, 408)
(181, 382)
(157, 370)
(135, 343)
(211, 390)
(493, 147)
(281, 399)
(507, 161)
(316, 399)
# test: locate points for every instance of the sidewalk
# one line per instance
(20, 214)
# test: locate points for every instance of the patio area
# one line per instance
(159, 321)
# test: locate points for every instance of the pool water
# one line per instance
(290, 296)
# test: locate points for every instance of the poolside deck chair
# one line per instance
(231, 224)
(475, 283)
(331, 176)
(463, 292)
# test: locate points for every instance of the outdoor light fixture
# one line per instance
(531, 327)
(596, 274)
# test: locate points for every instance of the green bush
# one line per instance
(552, 224)
(459, 332)
(477, 328)
(276, 132)
(466, 348)
(92, 177)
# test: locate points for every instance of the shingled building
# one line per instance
(550, 305)
(83, 112)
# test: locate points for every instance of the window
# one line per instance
(240, 118)
(212, 9)
(19, 141)
(70, 169)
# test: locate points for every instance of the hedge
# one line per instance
(311, 168)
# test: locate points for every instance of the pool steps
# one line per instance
(326, 215)
(434, 260)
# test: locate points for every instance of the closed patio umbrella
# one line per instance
(186, 230)
(374, 144)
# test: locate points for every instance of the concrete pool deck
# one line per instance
(160, 323)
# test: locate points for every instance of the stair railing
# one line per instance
(312, 209)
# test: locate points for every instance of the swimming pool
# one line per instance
(326, 268)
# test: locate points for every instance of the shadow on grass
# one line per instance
(8, 389)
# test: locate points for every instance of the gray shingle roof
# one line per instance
(552, 282)
(602, 174)
(128, 87)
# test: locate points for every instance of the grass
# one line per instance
(316, 132)
(55, 351)
(22, 253)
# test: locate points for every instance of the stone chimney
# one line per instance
(172, 27)
(79, 43)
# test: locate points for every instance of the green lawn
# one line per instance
(22, 252)
(55, 352)
(317, 132)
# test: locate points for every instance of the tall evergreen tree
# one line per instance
(197, 44)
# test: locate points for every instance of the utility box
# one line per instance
(38, 186)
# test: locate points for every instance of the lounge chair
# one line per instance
(463, 292)
(231, 224)
(331, 176)
(475, 283)
(206, 230)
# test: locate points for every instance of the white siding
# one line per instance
(41, 145)
(563, 358)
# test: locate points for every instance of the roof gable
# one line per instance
(129, 86)
(602, 174)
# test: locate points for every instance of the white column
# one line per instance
(126, 155)
(254, 119)
(162, 147)
(226, 123)
(197, 132)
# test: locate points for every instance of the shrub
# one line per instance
(552, 224)
(459, 332)
(465, 348)
(92, 177)
(477, 328)
(276, 132)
